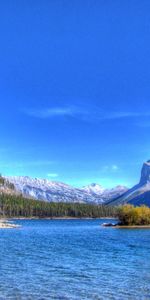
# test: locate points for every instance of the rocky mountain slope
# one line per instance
(140, 193)
(51, 191)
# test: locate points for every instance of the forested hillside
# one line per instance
(17, 206)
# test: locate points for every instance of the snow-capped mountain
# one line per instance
(140, 193)
(51, 191)
(94, 188)
(99, 192)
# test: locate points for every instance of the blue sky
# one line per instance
(75, 90)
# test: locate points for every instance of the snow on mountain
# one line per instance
(94, 188)
(51, 191)
(98, 192)
(140, 193)
(110, 194)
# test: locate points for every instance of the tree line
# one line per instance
(18, 206)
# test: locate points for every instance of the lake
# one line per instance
(74, 259)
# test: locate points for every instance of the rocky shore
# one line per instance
(7, 224)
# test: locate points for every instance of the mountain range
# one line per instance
(52, 191)
(139, 194)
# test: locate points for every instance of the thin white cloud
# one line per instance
(52, 175)
(54, 112)
(114, 167)
(85, 113)
(124, 115)
(110, 168)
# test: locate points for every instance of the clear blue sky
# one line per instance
(75, 89)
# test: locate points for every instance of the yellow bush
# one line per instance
(130, 215)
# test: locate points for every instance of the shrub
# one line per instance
(130, 215)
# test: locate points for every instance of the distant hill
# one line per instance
(139, 194)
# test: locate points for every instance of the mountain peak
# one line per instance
(145, 173)
(94, 188)
(138, 194)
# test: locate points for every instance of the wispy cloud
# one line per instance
(114, 167)
(124, 115)
(52, 175)
(85, 113)
(110, 168)
(54, 112)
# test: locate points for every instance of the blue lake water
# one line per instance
(74, 259)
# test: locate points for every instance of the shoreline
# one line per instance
(7, 223)
(61, 218)
(119, 226)
(132, 226)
